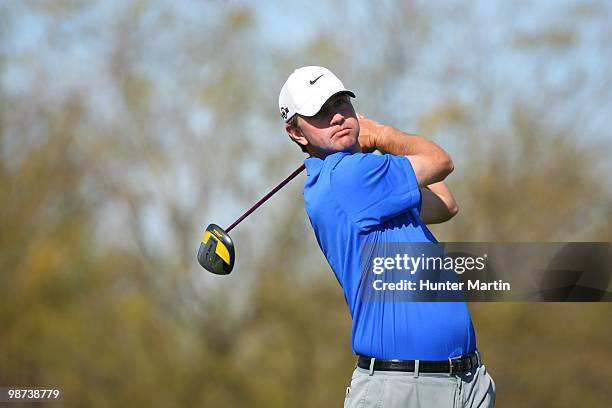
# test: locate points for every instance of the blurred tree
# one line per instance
(125, 126)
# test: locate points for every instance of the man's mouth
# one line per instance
(342, 132)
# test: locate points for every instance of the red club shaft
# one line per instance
(266, 197)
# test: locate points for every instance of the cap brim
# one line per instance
(313, 106)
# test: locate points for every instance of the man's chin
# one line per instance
(338, 149)
(350, 148)
(350, 142)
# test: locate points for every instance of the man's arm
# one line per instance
(430, 162)
(438, 204)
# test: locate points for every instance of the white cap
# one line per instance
(306, 90)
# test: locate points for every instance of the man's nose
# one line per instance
(337, 119)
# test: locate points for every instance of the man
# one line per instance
(410, 353)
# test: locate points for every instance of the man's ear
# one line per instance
(296, 135)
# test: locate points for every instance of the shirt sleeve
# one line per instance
(372, 188)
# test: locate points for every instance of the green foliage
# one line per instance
(529, 176)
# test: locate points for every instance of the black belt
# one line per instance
(453, 366)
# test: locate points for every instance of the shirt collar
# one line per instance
(314, 164)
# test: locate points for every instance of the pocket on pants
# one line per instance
(365, 391)
(481, 392)
(347, 397)
(492, 389)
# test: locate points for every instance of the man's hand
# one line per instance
(429, 161)
(368, 131)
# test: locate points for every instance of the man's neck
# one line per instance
(322, 154)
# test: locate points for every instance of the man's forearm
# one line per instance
(441, 190)
(438, 204)
(429, 161)
(396, 142)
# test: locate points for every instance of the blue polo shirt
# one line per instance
(352, 199)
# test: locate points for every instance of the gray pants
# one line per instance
(390, 389)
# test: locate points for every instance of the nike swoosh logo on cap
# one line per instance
(315, 80)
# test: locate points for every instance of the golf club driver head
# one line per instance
(216, 253)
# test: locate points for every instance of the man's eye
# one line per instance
(323, 112)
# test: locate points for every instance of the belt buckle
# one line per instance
(452, 366)
(395, 363)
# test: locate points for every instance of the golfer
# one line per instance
(410, 354)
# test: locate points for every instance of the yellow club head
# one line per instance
(216, 253)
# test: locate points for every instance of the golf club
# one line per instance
(216, 253)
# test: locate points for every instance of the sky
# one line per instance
(487, 29)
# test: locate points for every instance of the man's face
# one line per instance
(334, 128)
